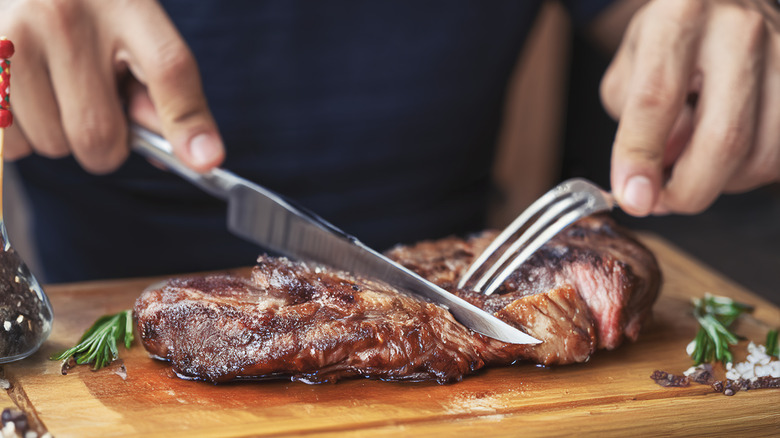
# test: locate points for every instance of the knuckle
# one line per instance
(643, 153)
(766, 171)
(688, 201)
(763, 174)
(48, 142)
(13, 18)
(16, 154)
(682, 19)
(692, 209)
(98, 143)
(104, 164)
(656, 92)
(191, 116)
(51, 148)
(173, 59)
(62, 16)
(608, 90)
(14, 150)
(731, 139)
(748, 27)
(681, 11)
(658, 88)
(755, 28)
(93, 137)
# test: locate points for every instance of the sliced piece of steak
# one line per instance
(587, 289)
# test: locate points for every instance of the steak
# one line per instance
(590, 288)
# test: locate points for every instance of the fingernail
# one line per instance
(204, 149)
(638, 194)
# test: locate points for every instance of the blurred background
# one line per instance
(555, 128)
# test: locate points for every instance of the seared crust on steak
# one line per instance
(588, 289)
(311, 324)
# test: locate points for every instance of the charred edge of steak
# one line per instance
(311, 325)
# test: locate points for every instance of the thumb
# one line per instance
(170, 72)
(636, 177)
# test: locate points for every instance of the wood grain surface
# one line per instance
(611, 395)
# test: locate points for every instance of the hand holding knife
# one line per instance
(267, 219)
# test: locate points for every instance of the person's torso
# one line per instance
(380, 116)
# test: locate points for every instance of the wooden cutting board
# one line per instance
(611, 394)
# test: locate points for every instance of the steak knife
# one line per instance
(267, 219)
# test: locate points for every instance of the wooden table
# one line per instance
(610, 395)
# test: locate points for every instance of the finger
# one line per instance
(87, 95)
(140, 108)
(679, 137)
(173, 81)
(728, 105)
(613, 98)
(614, 84)
(35, 109)
(15, 144)
(762, 165)
(663, 62)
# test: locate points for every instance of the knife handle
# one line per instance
(217, 182)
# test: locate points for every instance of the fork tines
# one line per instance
(545, 218)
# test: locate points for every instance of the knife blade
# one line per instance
(269, 220)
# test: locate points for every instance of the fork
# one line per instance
(563, 205)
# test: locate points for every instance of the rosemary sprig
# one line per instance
(98, 344)
(715, 316)
(772, 345)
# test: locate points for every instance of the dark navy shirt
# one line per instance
(381, 116)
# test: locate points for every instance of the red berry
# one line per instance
(6, 48)
(6, 118)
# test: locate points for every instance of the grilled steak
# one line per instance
(589, 288)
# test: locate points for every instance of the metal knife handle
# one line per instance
(217, 182)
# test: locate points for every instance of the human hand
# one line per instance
(71, 56)
(695, 85)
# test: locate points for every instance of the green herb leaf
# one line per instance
(772, 345)
(714, 339)
(98, 345)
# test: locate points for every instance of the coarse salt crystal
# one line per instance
(691, 347)
(9, 429)
(758, 364)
